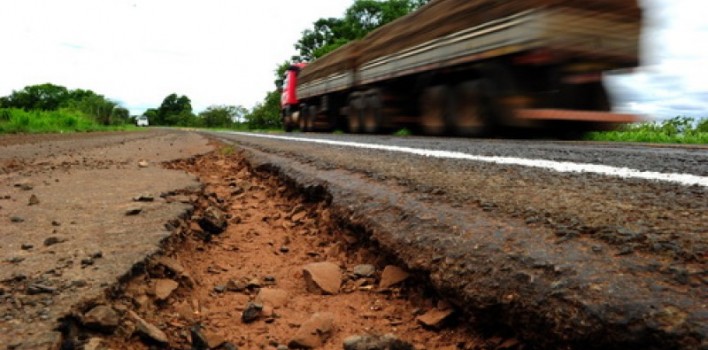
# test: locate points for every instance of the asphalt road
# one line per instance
(611, 236)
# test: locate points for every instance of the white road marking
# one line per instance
(562, 167)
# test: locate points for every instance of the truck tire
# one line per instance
(372, 115)
(311, 118)
(435, 107)
(354, 111)
(304, 116)
(470, 115)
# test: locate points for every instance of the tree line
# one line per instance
(325, 36)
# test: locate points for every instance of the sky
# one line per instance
(224, 52)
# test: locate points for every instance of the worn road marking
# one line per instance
(563, 167)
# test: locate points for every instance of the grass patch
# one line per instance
(679, 130)
(13, 121)
(403, 132)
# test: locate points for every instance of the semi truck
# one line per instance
(472, 67)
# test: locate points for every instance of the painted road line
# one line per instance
(562, 167)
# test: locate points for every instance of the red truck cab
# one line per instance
(289, 104)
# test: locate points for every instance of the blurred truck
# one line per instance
(469, 67)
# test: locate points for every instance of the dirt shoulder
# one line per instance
(71, 222)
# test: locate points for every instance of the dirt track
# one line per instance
(282, 207)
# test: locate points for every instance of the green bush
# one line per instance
(684, 130)
(64, 120)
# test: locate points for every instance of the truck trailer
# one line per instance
(471, 67)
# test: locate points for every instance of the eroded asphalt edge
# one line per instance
(566, 297)
(155, 234)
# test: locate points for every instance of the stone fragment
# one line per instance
(26, 246)
(164, 288)
(392, 275)
(24, 185)
(101, 318)
(36, 288)
(251, 312)
(376, 342)
(133, 211)
(144, 198)
(235, 286)
(94, 344)
(314, 332)
(16, 219)
(143, 164)
(147, 330)
(203, 339)
(434, 318)
(276, 298)
(33, 200)
(213, 220)
(322, 277)
(52, 241)
(364, 270)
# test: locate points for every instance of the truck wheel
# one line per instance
(303, 119)
(470, 117)
(434, 109)
(371, 116)
(354, 111)
(311, 117)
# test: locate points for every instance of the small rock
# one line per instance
(144, 198)
(56, 223)
(148, 331)
(254, 283)
(376, 342)
(26, 246)
(86, 262)
(435, 317)
(16, 219)
(164, 288)
(269, 280)
(284, 249)
(94, 344)
(204, 340)
(33, 200)
(133, 211)
(314, 332)
(392, 275)
(322, 278)
(276, 298)
(220, 288)
(52, 241)
(235, 286)
(24, 185)
(101, 318)
(251, 312)
(365, 270)
(15, 260)
(143, 164)
(37, 288)
(213, 221)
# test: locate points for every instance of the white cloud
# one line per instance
(674, 79)
(139, 51)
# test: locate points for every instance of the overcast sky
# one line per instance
(221, 52)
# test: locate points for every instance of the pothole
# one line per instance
(259, 265)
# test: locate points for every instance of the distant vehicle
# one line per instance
(467, 67)
(142, 121)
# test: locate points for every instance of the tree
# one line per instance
(46, 97)
(222, 116)
(266, 115)
(328, 34)
(175, 110)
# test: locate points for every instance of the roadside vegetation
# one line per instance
(49, 108)
(682, 130)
